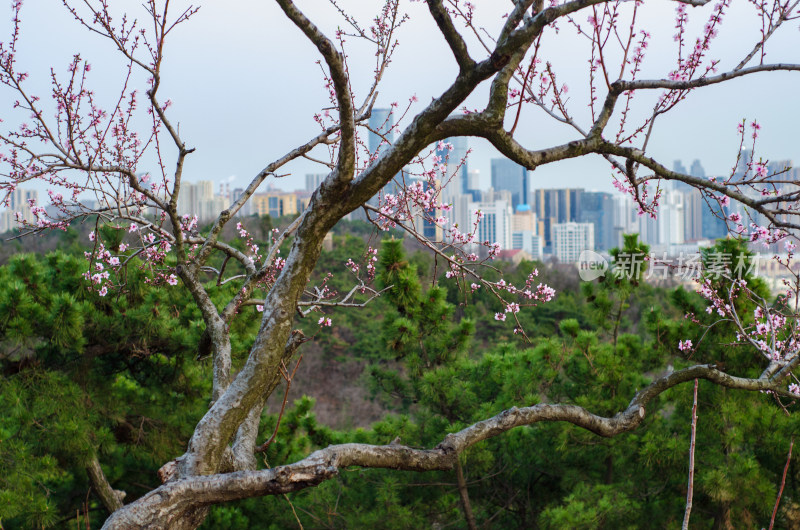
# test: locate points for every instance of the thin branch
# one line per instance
(288, 378)
(783, 483)
(690, 488)
(325, 464)
(451, 35)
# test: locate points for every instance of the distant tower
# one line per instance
(508, 175)
(313, 180)
(697, 170)
(597, 207)
(381, 121)
(459, 181)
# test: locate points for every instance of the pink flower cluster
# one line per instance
(244, 234)
(540, 294)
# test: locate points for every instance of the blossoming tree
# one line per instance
(97, 163)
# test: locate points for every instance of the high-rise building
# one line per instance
(462, 214)
(19, 209)
(712, 215)
(492, 195)
(597, 207)
(693, 206)
(745, 161)
(697, 170)
(245, 209)
(529, 242)
(555, 206)
(474, 184)
(508, 175)
(670, 218)
(495, 227)
(380, 137)
(423, 221)
(457, 174)
(193, 196)
(625, 218)
(381, 121)
(274, 203)
(678, 167)
(20, 198)
(313, 180)
(524, 219)
(570, 239)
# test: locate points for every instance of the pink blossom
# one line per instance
(500, 316)
(685, 345)
(133, 228)
(324, 321)
(103, 291)
(259, 308)
(794, 388)
(172, 279)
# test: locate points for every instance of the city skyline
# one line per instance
(517, 214)
(247, 102)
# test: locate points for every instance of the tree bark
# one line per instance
(111, 498)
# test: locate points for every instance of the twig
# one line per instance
(783, 482)
(285, 373)
(691, 462)
(293, 511)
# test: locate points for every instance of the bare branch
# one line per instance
(173, 499)
(346, 158)
(451, 35)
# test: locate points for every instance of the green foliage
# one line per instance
(116, 377)
(82, 375)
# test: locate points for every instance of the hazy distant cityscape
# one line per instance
(526, 221)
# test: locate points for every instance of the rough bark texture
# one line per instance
(111, 498)
(177, 503)
(219, 464)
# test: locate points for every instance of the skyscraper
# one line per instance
(194, 198)
(382, 122)
(693, 207)
(597, 207)
(474, 184)
(313, 180)
(495, 226)
(508, 175)
(555, 206)
(20, 198)
(697, 170)
(570, 239)
(671, 218)
(457, 172)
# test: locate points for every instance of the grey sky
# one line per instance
(245, 85)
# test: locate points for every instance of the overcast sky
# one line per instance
(245, 83)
